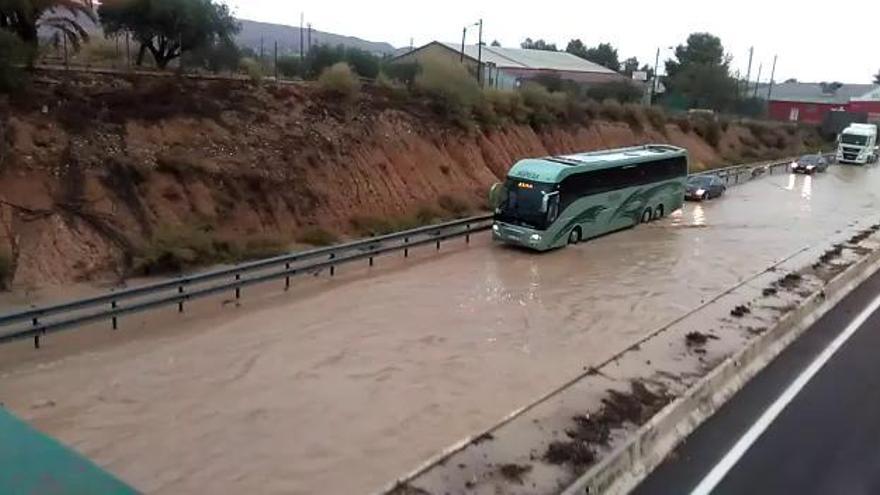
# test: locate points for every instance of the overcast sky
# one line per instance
(816, 41)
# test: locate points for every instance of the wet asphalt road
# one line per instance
(827, 439)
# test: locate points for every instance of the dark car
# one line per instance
(703, 187)
(810, 164)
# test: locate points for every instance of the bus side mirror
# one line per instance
(496, 195)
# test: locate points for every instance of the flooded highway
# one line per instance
(342, 389)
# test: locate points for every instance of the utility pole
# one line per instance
(261, 52)
(411, 47)
(309, 52)
(276, 62)
(772, 75)
(463, 35)
(758, 80)
(301, 36)
(749, 70)
(480, 55)
(656, 75)
(128, 48)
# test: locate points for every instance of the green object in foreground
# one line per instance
(34, 464)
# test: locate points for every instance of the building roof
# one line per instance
(873, 95)
(833, 93)
(555, 168)
(521, 58)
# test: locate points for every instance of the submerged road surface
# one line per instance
(341, 389)
(808, 424)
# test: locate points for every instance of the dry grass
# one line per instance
(454, 205)
(173, 249)
(7, 269)
(339, 80)
(316, 236)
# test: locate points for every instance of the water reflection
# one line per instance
(807, 187)
(699, 216)
(791, 181)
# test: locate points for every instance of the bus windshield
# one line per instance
(853, 139)
(524, 202)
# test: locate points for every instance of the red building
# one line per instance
(810, 102)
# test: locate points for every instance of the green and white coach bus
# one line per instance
(549, 202)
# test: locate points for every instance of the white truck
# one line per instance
(858, 144)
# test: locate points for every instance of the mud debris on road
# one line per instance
(514, 472)
(697, 339)
(740, 311)
(590, 431)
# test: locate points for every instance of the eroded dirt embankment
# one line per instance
(91, 168)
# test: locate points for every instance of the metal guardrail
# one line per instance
(37, 322)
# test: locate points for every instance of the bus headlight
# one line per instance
(495, 228)
(535, 237)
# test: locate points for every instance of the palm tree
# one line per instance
(26, 17)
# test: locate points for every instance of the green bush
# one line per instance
(7, 269)
(621, 91)
(632, 116)
(454, 91)
(316, 236)
(13, 54)
(173, 249)
(508, 104)
(251, 67)
(290, 66)
(404, 73)
(455, 206)
(611, 110)
(362, 62)
(540, 103)
(656, 117)
(708, 129)
(339, 80)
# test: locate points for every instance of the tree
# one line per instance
(24, 18)
(216, 56)
(700, 73)
(496, 43)
(630, 65)
(167, 28)
(701, 48)
(13, 53)
(877, 77)
(605, 55)
(791, 80)
(538, 45)
(576, 47)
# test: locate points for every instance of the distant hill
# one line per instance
(288, 38)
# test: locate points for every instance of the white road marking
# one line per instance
(711, 480)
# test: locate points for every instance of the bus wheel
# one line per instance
(658, 212)
(574, 236)
(647, 215)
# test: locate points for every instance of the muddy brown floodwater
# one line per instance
(341, 389)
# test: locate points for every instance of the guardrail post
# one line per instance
(406, 250)
(287, 276)
(237, 287)
(371, 261)
(332, 267)
(113, 307)
(438, 244)
(467, 237)
(180, 303)
(36, 323)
